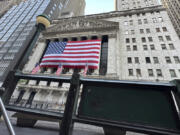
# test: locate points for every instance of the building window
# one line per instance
(83, 38)
(160, 38)
(129, 59)
(145, 47)
(164, 29)
(159, 72)
(134, 47)
(150, 39)
(131, 22)
(130, 72)
(143, 39)
(127, 40)
(158, 30)
(172, 73)
(132, 32)
(148, 60)
(148, 31)
(3, 50)
(154, 20)
(160, 19)
(9, 56)
(1, 55)
(136, 59)
(171, 47)
(150, 72)
(168, 60)
(176, 59)
(138, 72)
(125, 23)
(156, 61)
(134, 40)
(145, 21)
(139, 21)
(128, 48)
(163, 46)
(126, 32)
(141, 31)
(168, 38)
(152, 47)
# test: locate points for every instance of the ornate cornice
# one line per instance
(80, 25)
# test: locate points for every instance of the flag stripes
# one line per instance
(75, 54)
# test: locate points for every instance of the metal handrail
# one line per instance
(5, 116)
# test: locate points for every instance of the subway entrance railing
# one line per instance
(117, 106)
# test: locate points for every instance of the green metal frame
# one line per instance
(69, 117)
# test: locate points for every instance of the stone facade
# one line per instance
(173, 8)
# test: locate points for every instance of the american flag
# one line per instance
(72, 54)
(85, 70)
(58, 72)
(36, 69)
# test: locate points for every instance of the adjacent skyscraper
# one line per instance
(5, 5)
(173, 8)
(73, 8)
(17, 26)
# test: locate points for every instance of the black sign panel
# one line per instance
(143, 105)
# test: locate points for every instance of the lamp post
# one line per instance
(42, 22)
(10, 82)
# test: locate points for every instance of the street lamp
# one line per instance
(42, 23)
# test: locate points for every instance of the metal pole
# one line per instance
(67, 122)
(7, 121)
(175, 104)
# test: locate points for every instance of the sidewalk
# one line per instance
(48, 128)
(52, 128)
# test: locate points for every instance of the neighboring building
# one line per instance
(5, 5)
(137, 44)
(173, 9)
(122, 5)
(17, 27)
(73, 8)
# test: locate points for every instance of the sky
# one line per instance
(99, 6)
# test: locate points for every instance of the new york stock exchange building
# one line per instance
(106, 46)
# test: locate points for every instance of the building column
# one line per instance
(35, 57)
(112, 56)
